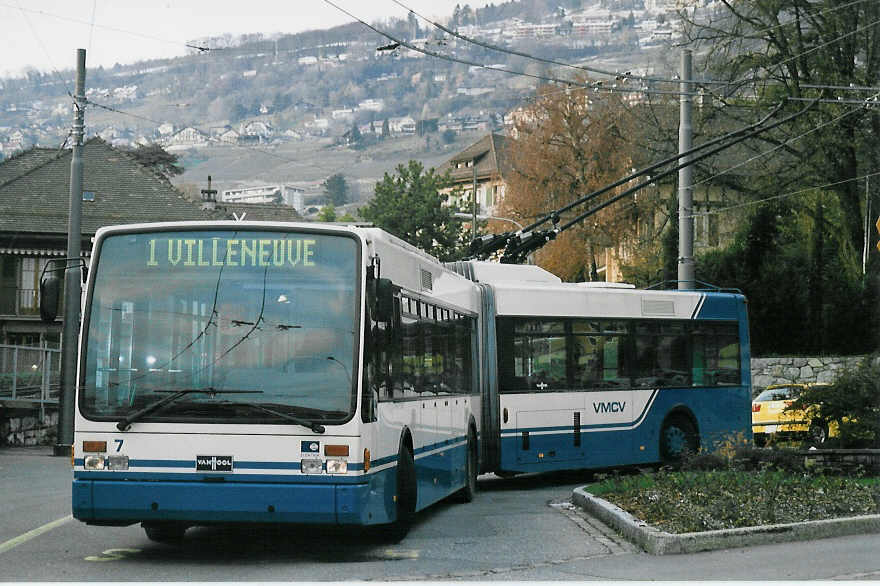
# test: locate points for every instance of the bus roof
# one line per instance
(576, 299)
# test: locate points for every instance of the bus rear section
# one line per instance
(222, 379)
(606, 376)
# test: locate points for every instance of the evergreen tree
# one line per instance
(157, 159)
(410, 206)
(336, 189)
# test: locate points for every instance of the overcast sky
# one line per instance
(45, 34)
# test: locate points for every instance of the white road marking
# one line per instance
(24, 537)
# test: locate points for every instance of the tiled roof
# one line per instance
(272, 212)
(35, 192)
(490, 153)
(23, 162)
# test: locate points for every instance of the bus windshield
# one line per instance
(252, 326)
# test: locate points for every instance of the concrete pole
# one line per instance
(475, 210)
(73, 274)
(686, 278)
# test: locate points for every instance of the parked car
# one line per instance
(771, 419)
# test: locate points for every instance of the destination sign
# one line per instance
(233, 252)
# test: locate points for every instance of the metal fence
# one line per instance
(29, 376)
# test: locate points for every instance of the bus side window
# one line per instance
(716, 355)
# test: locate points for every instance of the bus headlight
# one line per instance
(311, 466)
(336, 466)
(117, 462)
(93, 463)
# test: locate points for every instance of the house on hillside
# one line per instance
(255, 131)
(188, 137)
(485, 163)
(229, 136)
(403, 125)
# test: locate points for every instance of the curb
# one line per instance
(658, 542)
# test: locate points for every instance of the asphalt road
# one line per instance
(520, 529)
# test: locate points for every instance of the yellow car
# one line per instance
(771, 420)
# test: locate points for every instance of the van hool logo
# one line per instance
(214, 463)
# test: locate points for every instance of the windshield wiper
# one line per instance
(125, 424)
(313, 425)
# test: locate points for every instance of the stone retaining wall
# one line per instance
(776, 371)
(28, 430)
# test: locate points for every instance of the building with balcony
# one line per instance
(35, 193)
(484, 164)
(283, 194)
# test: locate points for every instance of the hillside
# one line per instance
(298, 108)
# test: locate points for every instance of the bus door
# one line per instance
(599, 356)
(541, 413)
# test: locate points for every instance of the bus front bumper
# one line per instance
(123, 502)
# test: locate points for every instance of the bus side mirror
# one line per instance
(384, 300)
(50, 293)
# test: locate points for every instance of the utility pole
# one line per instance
(686, 279)
(474, 225)
(73, 270)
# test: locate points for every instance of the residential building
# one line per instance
(284, 194)
(34, 200)
(484, 163)
(188, 137)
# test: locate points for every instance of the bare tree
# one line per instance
(770, 49)
(568, 143)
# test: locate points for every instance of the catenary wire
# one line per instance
(777, 147)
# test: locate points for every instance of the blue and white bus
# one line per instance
(272, 373)
(234, 372)
(602, 375)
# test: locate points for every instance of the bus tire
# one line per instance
(406, 495)
(678, 436)
(469, 490)
(166, 532)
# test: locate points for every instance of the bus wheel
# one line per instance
(164, 532)
(677, 437)
(406, 495)
(467, 492)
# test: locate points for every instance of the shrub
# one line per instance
(852, 401)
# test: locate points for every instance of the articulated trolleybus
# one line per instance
(268, 372)
(305, 373)
(602, 375)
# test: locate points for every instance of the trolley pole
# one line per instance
(72, 273)
(686, 278)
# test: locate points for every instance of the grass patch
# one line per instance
(761, 487)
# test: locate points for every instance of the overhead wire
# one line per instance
(784, 144)
(519, 244)
(598, 86)
(101, 26)
(626, 74)
(42, 45)
(784, 195)
(616, 74)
